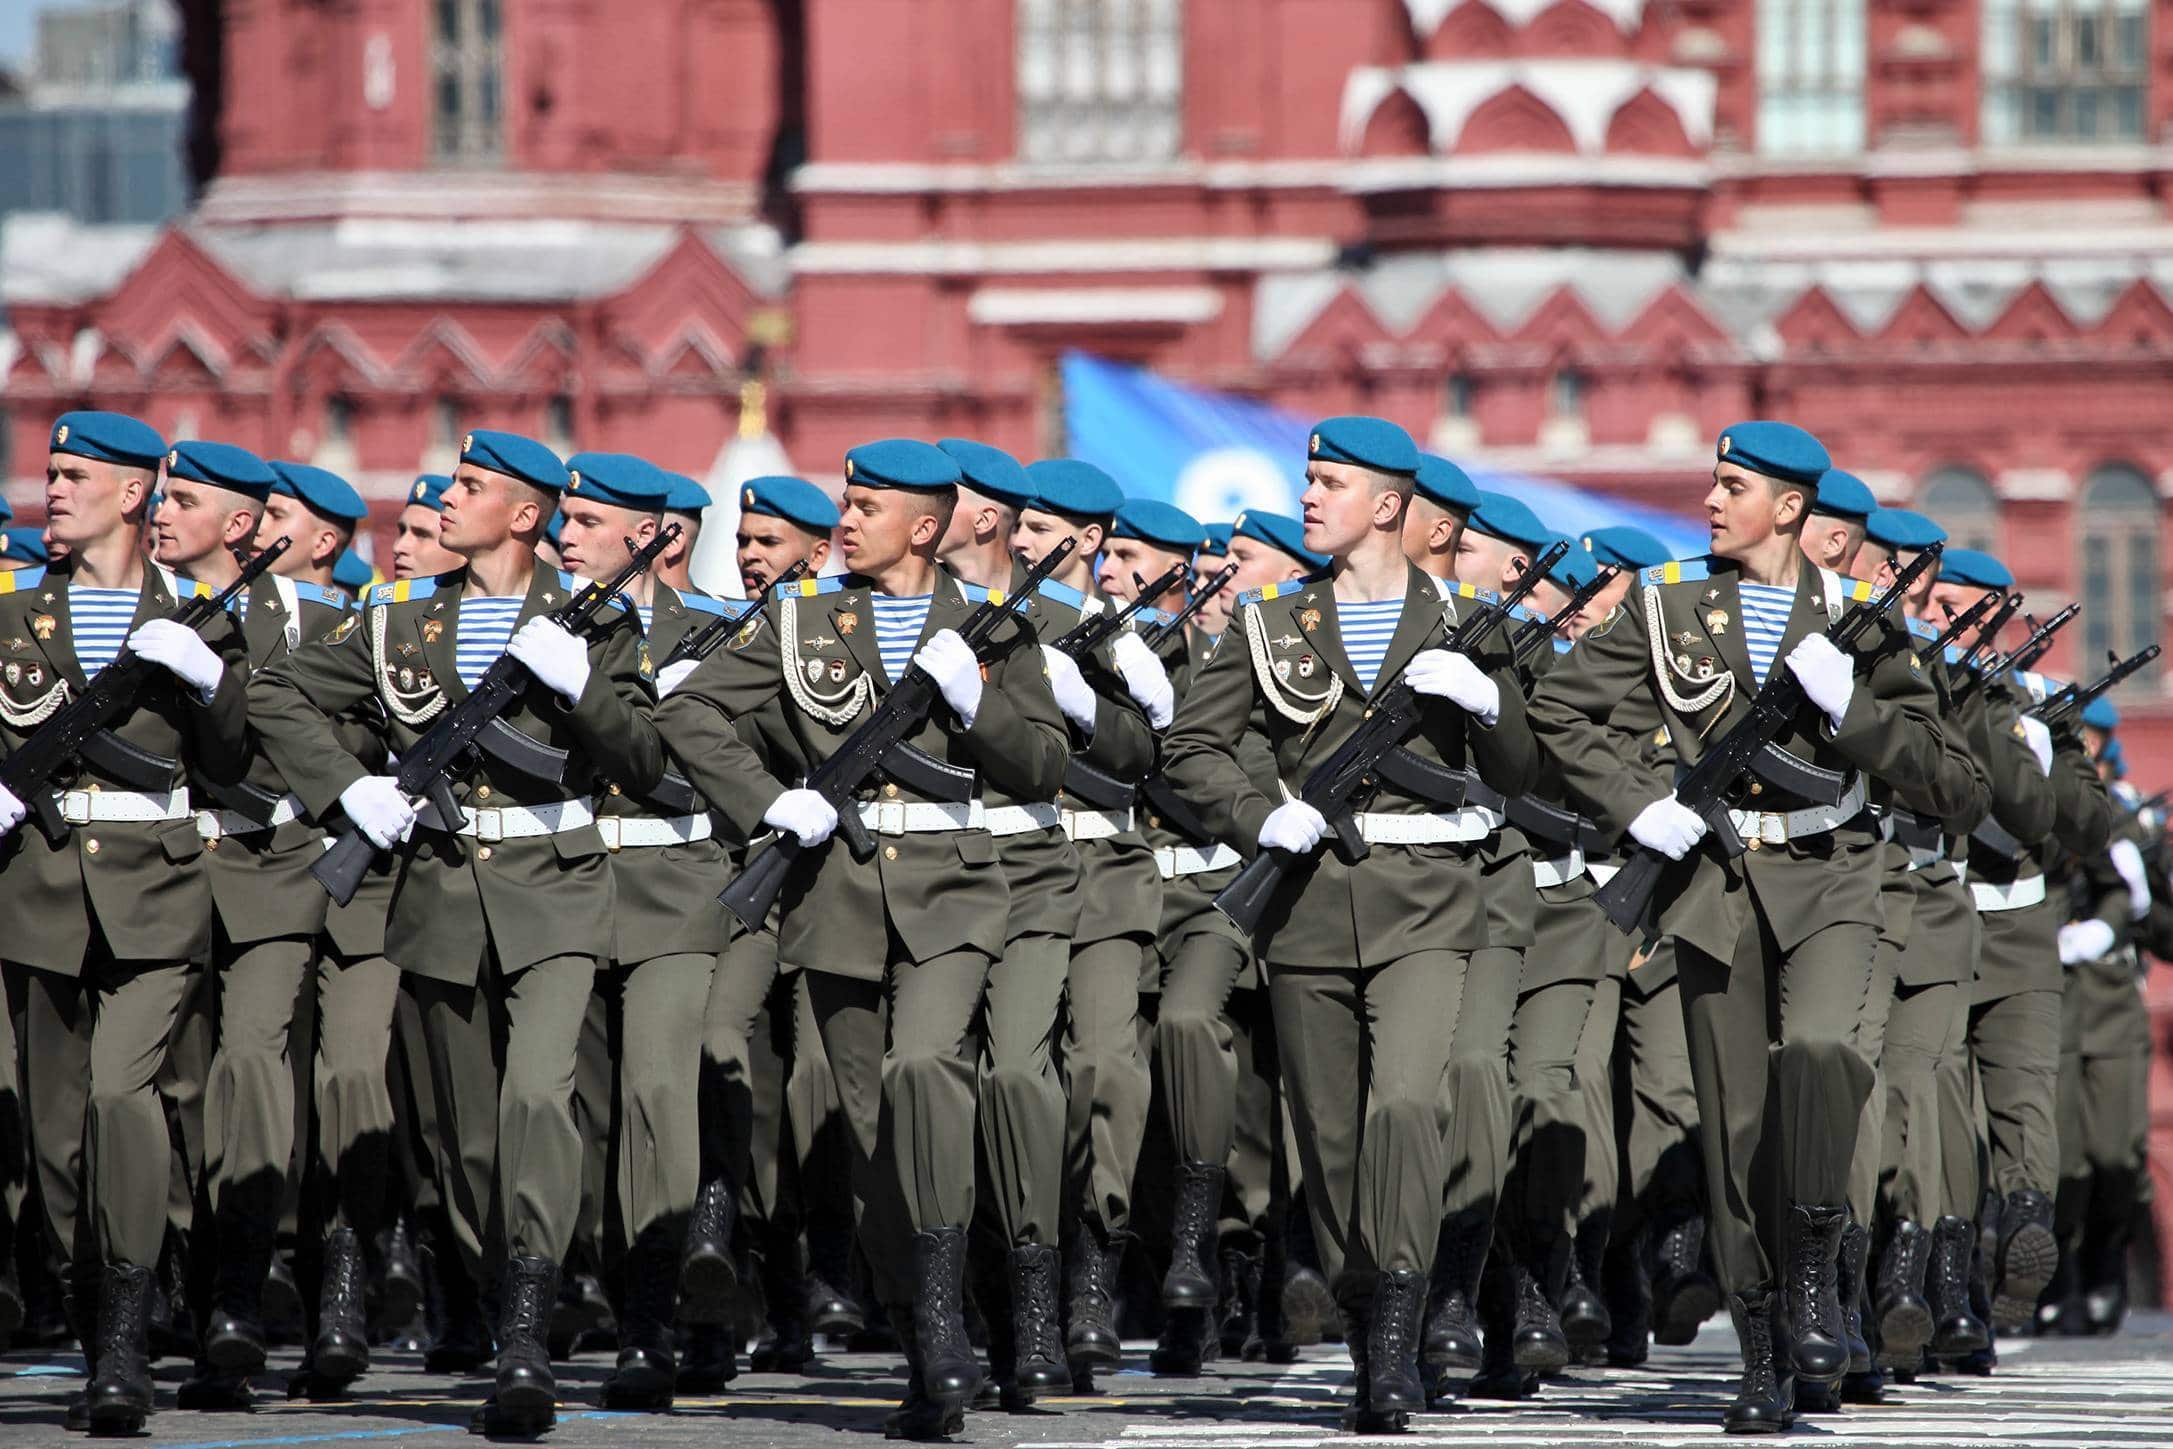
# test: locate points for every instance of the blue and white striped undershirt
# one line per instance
(1765, 619)
(898, 625)
(1366, 630)
(99, 619)
(485, 626)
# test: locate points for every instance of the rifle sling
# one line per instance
(1096, 787)
(132, 765)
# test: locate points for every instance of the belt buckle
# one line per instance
(489, 824)
(890, 817)
(208, 825)
(1773, 827)
(75, 807)
(608, 827)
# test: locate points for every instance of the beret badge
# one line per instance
(1725, 443)
(1313, 446)
(60, 435)
(848, 467)
(467, 444)
(747, 495)
(419, 489)
(573, 482)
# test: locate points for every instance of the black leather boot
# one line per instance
(234, 1336)
(1627, 1286)
(707, 1276)
(1540, 1346)
(918, 1416)
(828, 1298)
(1240, 1300)
(1500, 1376)
(1956, 1328)
(81, 1286)
(1812, 1299)
(1190, 1281)
(1585, 1321)
(1451, 1346)
(1394, 1388)
(1764, 1403)
(340, 1352)
(401, 1290)
(461, 1341)
(281, 1298)
(525, 1398)
(1855, 1254)
(1270, 1341)
(708, 1358)
(1309, 1307)
(949, 1371)
(1038, 1363)
(1090, 1286)
(790, 1347)
(1903, 1314)
(117, 1398)
(647, 1371)
(1183, 1348)
(2028, 1256)
(1684, 1294)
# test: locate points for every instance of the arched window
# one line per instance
(2117, 531)
(467, 62)
(1810, 76)
(1960, 501)
(1100, 80)
(2065, 71)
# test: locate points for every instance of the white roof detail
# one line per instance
(47, 257)
(1427, 15)
(1053, 306)
(1585, 93)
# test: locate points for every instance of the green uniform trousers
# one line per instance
(1023, 1107)
(1781, 1082)
(418, 1143)
(92, 1048)
(1656, 1103)
(1548, 1169)
(1195, 1057)
(2104, 1105)
(1106, 1077)
(1927, 1039)
(249, 1097)
(1363, 1054)
(183, 1083)
(1871, 1023)
(2014, 1044)
(742, 1077)
(1475, 1098)
(653, 1033)
(1596, 1099)
(343, 1044)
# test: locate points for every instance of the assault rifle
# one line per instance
(880, 743)
(2077, 697)
(1990, 632)
(1160, 634)
(424, 772)
(2032, 649)
(1091, 633)
(1962, 624)
(1365, 753)
(700, 643)
(1538, 631)
(1704, 787)
(77, 730)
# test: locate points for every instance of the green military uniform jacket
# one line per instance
(814, 656)
(1676, 655)
(528, 899)
(1281, 675)
(142, 886)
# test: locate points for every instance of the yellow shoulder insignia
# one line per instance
(346, 627)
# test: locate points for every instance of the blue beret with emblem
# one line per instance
(1775, 450)
(795, 500)
(1374, 443)
(1508, 519)
(1969, 566)
(1164, 525)
(428, 490)
(1217, 539)
(1072, 488)
(1900, 528)
(1440, 481)
(326, 493)
(1575, 569)
(24, 545)
(222, 465)
(1626, 547)
(618, 479)
(2100, 713)
(901, 463)
(1278, 531)
(686, 495)
(108, 438)
(352, 572)
(1842, 494)
(990, 472)
(516, 457)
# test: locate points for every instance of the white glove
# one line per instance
(1293, 826)
(1145, 679)
(1668, 826)
(554, 656)
(12, 811)
(671, 676)
(1455, 678)
(2084, 941)
(803, 812)
(1073, 695)
(1826, 675)
(2127, 861)
(176, 649)
(950, 661)
(378, 809)
(2038, 737)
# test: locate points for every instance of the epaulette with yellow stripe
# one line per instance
(1268, 592)
(809, 588)
(1678, 571)
(402, 591)
(21, 579)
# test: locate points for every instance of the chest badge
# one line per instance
(13, 673)
(1286, 641)
(1716, 621)
(407, 649)
(433, 630)
(848, 622)
(837, 671)
(814, 669)
(33, 676)
(1306, 666)
(1308, 619)
(44, 625)
(820, 641)
(1282, 670)
(1686, 640)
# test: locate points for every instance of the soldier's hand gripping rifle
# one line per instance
(77, 730)
(1705, 786)
(424, 772)
(880, 743)
(2077, 697)
(1536, 633)
(699, 644)
(1160, 634)
(1336, 781)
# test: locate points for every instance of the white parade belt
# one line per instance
(491, 823)
(1450, 826)
(1096, 824)
(907, 817)
(100, 806)
(628, 832)
(2014, 896)
(1176, 860)
(1774, 827)
(1018, 819)
(1558, 870)
(217, 824)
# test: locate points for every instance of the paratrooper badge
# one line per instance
(407, 649)
(433, 630)
(1308, 619)
(746, 632)
(1716, 621)
(407, 680)
(13, 672)
(44, 625)
(848, 622)
(345, 627)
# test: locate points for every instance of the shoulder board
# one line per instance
(976, 594)
(401, 591)
(1563, 645)
(1150, 618)
(1465, 591)
(703, 604)
(1922, 630)
(1519, 612)
(1062, 594)
(809, 588)
(1860, 591)
(1269, 592)
(2039, 687)
(1678, 571)
(320, 594)
(1954, 654)
(21, 579)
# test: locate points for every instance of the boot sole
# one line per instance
(401, 1300)
(707, 1284)
(339, 1365)
(235, 1356)
(525, 1404)
(1541, 1357)
(2031, 1258)
(1904, 1330)
(1677, 1318)
(1308, 1307)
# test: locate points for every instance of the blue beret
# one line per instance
(24, 545)
(1968, 566)
(327, 493)
(1373, 443)
(351, 573)
(554, 528)
(795, 500)
(222, 465)
(686, 496)
(1500, 516)
(1217, 541)
(619, 479)
(1844, 495)
(1278, 531)
(1444, 483)
(990, 472)
(516, 457)
(1073, 488)
(2100, 713)
(1575, 569)
(1899, 528)
(900, 463)
(429, 490)
(1626, 547)
(108, 438)
(1775, 450)
(1164, 525)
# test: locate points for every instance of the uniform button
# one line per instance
(483, 854)
(94, 787)
(1757, 787)
(1369, 714)
(91, 846)
(1154, 822)
(482, 792)
(212, 844)
(890, 852)
(614, 789)
(1755, 842)
(890, 792)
